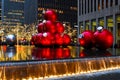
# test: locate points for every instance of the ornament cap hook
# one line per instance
(81, 36)
(44, 21)
(45, 34)
(43, 11)
(100, 28)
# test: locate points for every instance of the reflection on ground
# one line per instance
(20, 52)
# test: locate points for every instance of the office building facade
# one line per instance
(0, 11)
(94, 13)
(19, 12)
(65, 9)
(13, 12)
(30, 11)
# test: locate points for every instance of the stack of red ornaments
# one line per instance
(50, 31)
(101, 39)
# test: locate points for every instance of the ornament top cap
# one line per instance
(99, 28)
(44, 21)
(10, 36)
(81, 36)
(43, 11)
(45, 34)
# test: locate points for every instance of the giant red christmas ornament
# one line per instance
(86, 39)
(47, 39)
(59, 27)
(59, 39)
(66, 39)
(50, 26)
(50, 15)
(38, 39)
(33, 39)
(103, 38)
(41, 27)
(82, 54)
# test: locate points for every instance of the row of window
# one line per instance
(87, 6)
(17, 1)
(100, 22)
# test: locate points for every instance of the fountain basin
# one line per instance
(49, 69)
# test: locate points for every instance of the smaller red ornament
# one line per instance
(50, 15)
(82, 54)
(103, 38)
(33, 39)
(47, 39)
(50, 26)
(58, 39)
(59, 27)
(66, 39)
(38, 39)
(41, 27)
(86, 39)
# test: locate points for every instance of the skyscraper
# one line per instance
(0, 10)
(13, 12)
(20, 12)
(30, 11)
(66, 9)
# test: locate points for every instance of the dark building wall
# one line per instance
(30, 11)
(13, 12)
(19, 11)
(66, 9)
(0, 10)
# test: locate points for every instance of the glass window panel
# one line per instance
(110, 23)
(118, 31)
(93, 24)
(81, 27)
(87, 25)
(101, 22)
